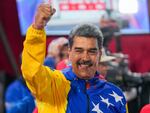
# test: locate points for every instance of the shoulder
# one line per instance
(68, 73)
(114, 89)
(14, 90)
(115, 96)
(14, 85)
(115, 93)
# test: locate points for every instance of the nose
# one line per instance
(86, 56)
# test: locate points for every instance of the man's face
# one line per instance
(64, 52)
(84, 56)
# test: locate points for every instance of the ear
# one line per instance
(100, 54)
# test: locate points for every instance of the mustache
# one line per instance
(89, 63)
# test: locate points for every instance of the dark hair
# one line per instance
(88, 31)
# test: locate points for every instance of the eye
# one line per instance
(78, 50)
(93, 52)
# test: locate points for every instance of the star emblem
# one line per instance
(117, 97)
(96, 108)
(106, 101)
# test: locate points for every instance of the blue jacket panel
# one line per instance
(93, 95)
(18, 98)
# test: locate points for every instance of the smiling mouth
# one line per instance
(84, 64)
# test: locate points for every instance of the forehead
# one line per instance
(88, 42)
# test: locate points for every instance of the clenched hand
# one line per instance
(43, 15)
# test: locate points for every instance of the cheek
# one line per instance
(73, 57)
(96, 59)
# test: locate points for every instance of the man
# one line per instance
(56, 52)
(73, 90)
(18, 98)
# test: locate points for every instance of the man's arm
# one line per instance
(50, 87)
(35, 74)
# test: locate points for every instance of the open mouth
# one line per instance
(84, 64)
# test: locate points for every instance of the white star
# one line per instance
(106, 101)
(96, 108)
(117, 97)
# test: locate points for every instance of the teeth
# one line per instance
(82, 65)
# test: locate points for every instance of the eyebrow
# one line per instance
(77, 48)
(91, 49)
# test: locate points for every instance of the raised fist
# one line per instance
(43, 15)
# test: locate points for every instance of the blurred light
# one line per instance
(128, 6)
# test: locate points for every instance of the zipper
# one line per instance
(88, 103)
(88, 99)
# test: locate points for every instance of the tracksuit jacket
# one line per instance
(18, 98)
(62, 91)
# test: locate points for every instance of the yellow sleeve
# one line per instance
(40, 79)
(127, 108)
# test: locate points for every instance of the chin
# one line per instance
(85, 76)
